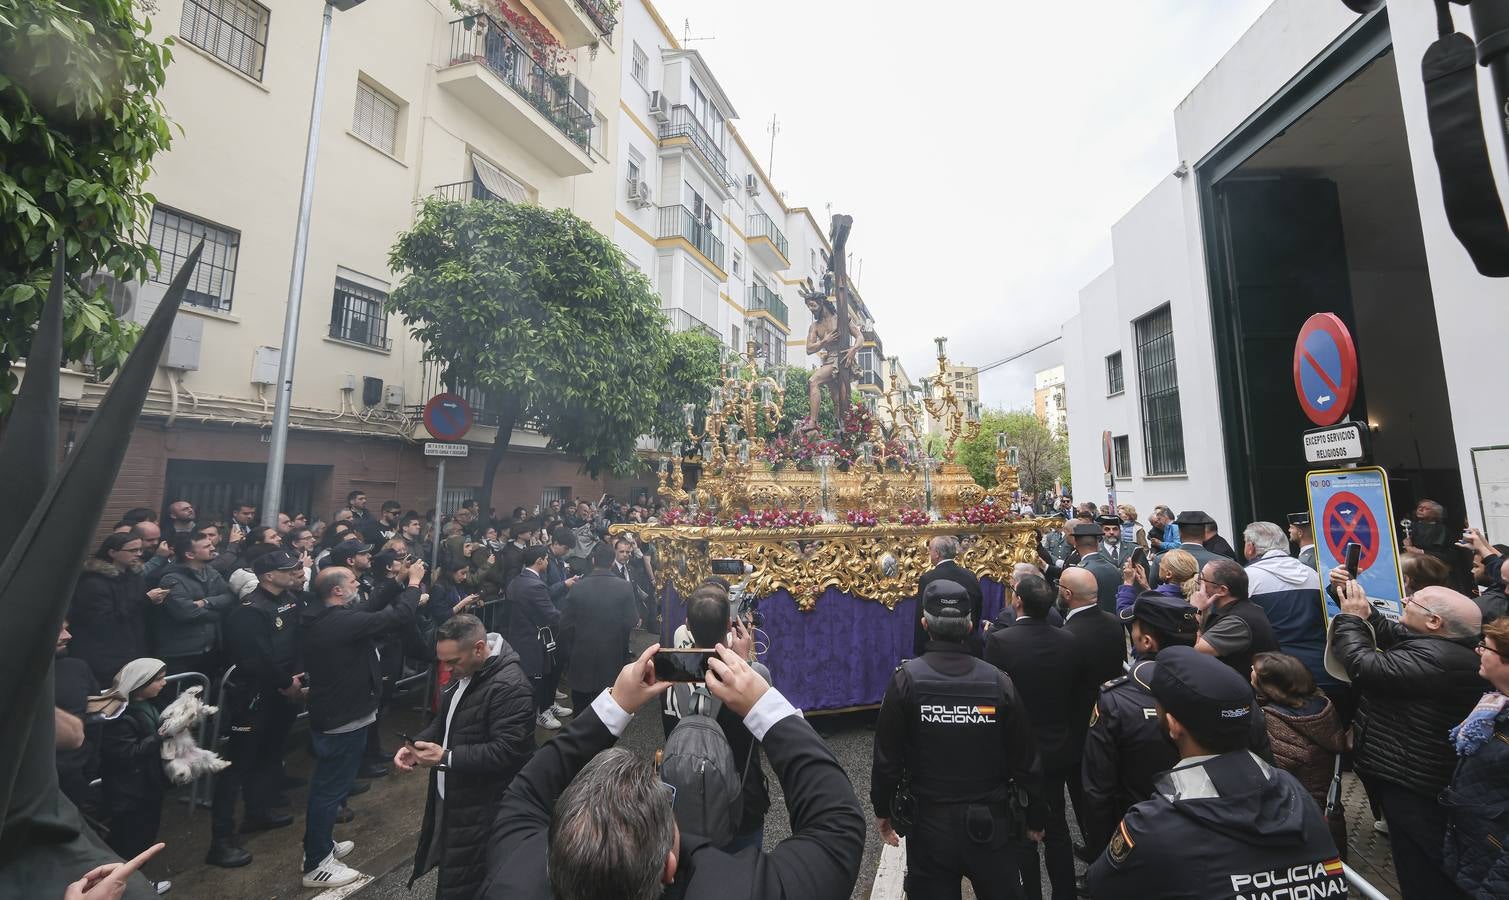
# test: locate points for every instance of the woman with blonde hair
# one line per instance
(1176, 578)
(1132, 531)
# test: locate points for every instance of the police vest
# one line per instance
(955, 754)
(1257, 625)
(282, 613)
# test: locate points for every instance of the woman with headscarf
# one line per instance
(131, 765)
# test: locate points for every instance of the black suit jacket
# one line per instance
(529, 610)
(1102, 651)
(819, 860)
(948, 570)
(599, 615)
(1107, 579)
(1050, 676)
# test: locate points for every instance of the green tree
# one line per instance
(1041, 456)
(544, 315)
(691, 369)
(80, 123)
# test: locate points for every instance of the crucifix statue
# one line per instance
(835, 335)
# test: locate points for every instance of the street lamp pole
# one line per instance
(272, 492)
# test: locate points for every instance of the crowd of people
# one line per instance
(1182, 699)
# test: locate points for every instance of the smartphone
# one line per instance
(681, 665)
(1139, 557)
(404, 737)
(1353, 557)
(733, 567)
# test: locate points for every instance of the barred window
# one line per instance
(1121, 452)
(356, 315)
(233, 31)
(1115, 382)
(640, 67)
(376, 119)
(173, 235)
(1158, 387)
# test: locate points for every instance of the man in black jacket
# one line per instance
(532, 624)
(599, 616)
(1416, 680)
(261, 641)
(1049, 676)
(345, 684)
(942, 550)
(480, 738)
(1107, 574)
(956, 731)
(1101, 648)
(612, 830)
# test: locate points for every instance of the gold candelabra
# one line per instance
(1007, 459)
(959, 418)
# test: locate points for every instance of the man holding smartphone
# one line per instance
(1232, 628)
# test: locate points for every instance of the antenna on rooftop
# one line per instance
(686, 33)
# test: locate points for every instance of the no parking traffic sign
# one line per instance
(1352, 506)
(447, 417)
(1325, 369)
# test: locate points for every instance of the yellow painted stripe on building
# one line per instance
(773, 247)
(634, 227)
(691, 248)
(735, 228)
(637, 121)
(664, 28)
(730, 301)
(768, 316)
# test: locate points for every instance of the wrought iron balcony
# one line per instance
(678, 221)
(760, 225)
(762, 297)
(684, 123)
(466, 190)
(681, 320)
(872, 379)
(484, 40)
(600, 15)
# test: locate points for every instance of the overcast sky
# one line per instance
(984, 148)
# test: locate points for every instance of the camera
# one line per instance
(744, 606)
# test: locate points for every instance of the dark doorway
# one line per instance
(213, 486)
(1323, 217)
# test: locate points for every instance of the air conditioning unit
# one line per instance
(659, 108)
(752, 184)
(392, 395)
(639, 193)
(121, 294)
(135, 302)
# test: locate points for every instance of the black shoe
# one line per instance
(344, 815)
(266, 822)
(226, 855)
(372, 770)
(359, 787)
(293, 781)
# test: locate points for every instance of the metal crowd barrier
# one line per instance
(203, 681)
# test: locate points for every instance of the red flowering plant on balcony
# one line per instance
(541, 43)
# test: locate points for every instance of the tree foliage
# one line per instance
(80, 123)
(542, 313)
(797, 405)
(691, 369)
(1041, 456)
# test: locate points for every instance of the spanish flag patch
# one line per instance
(1121, 845)
(1333, 866)
(985, 710)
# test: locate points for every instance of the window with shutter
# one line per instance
(232, 31)
(376, 118)
(498, 183)
(173, 234)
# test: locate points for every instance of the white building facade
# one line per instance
(1048, 400)
(1306, 183)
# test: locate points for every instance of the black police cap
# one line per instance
(1300, 518)
(945, 598)
(1170, 615)
(1194, 517)
(1202, 692)
(276, 561)
(1087, 529)
(1108, 520)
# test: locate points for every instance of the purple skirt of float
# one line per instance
(838, 656)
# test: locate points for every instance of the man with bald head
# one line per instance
(1416, 679)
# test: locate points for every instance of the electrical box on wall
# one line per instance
(371, 391)
(265, 362)
(182, 351)
(393, 396)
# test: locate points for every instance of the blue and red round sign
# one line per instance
(1348, 520)
(447, 417)
(1325, 369)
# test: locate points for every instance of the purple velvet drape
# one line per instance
(839, 655)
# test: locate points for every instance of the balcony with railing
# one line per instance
(466, 190)
(578, 22)
(681, 320)
(762, 297)
(679, 222)
(683, 124)
(499, 76)
(767, 240)
(484, 410)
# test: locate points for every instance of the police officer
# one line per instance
(953, 737)
(1221, 823)
(1299, 533)
(261, 641)
(1087, 540)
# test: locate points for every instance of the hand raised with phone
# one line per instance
(732, 680)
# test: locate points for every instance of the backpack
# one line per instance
(699, 764)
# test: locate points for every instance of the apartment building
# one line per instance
(696, 212)
(419, 99)
(1049, 400)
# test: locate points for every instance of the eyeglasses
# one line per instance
(1482, 646)
(670, 789)
(1424, 609)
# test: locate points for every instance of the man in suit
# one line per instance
(942, 550)
(604, 819)
(599, 615)
(1049, 675)
(511, 557)
(532, 622)
(1007, 617)
(1087, 537)
(1102, 652)
(1217, 544)
(1191, 524)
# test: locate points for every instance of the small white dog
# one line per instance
(183, 758)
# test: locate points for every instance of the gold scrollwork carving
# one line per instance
(807, 561)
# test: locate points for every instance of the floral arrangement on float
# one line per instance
(858, 427)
